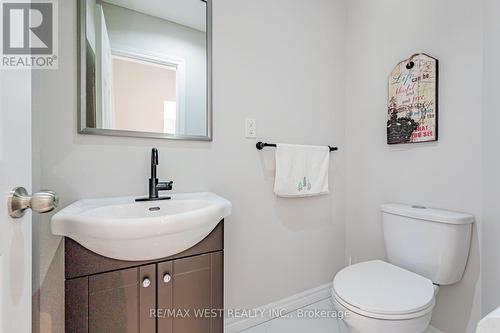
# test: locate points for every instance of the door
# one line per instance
(15, 170)
(123, 301)
(190, 294)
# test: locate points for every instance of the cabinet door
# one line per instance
(123, 301)
(187, 290)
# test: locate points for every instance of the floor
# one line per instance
(293, 323)
(310, 321)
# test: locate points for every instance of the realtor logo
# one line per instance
(29, 34)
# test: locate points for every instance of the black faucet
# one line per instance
(154, 184)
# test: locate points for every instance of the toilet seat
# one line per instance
(406, 316)
(381, 290)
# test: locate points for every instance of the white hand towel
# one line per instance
(301, 171)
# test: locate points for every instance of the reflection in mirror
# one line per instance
(145, 68)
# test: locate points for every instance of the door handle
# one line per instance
(41, 202)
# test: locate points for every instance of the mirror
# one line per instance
(145, 68)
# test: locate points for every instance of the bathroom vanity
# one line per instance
(154, 266)
(164, 295)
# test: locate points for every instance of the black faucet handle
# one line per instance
(165, 186)
(154, 156)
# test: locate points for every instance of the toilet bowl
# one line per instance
(378, 297)
(425, 248)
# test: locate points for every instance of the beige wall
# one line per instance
(274, 247)
(445, 174)
(139, 91)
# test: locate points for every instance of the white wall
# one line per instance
(283, 62)
(279, 61)
(491, 160)
(445, 174)
(150, 36)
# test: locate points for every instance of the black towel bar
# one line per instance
(262, 145)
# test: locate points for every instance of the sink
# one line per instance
(123, 229)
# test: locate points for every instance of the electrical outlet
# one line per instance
(250, 128)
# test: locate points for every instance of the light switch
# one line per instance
(250, 128)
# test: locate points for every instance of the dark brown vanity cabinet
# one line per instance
(120, 301)
(178, 294)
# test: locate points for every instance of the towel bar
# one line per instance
(261, 145)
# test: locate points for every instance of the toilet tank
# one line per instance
(431, 242)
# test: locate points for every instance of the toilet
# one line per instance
(426, 248)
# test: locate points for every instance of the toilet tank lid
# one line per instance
(428, 214)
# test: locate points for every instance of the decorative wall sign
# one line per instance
(413, 101)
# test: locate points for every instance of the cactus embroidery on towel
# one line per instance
(304, 185)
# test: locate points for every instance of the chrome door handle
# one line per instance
(41, 202)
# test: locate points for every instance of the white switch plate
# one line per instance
(250, 128)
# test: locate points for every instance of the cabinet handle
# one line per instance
(146, 282)
(167, 278)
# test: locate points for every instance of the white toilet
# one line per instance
(426, 248)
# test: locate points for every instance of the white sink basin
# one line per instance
(121, 228)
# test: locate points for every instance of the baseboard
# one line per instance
(432, 329)
(286, 305)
